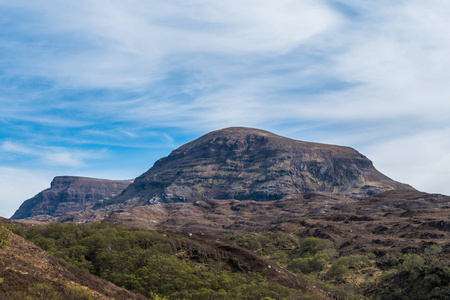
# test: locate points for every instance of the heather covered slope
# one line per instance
(28, 271)
(174, 265)
(273, 264)
(252, 164)
(70, 194)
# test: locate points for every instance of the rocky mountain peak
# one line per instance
(251, 164)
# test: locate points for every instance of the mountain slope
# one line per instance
(26, 268)
(252, 164)
(69, 194)
(174, 265)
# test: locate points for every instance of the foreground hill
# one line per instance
(173, 265)
(203, 266)
(28, 271)
(70, 194)
(398, 220)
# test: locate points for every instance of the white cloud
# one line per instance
(13, 147)
(421, 159)
(395, 63)
(399, 56)
(17, 185)
(127, 44)
(53, 156)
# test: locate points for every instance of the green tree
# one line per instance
(413, 263)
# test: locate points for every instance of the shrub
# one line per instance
(413, 263)
(313, 245)
(152, 263)
(315, 253)
(5, 234)
(78, 293)
(307, 265)
(346, 265)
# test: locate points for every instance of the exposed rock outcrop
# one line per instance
(252, 164)
(70, 194)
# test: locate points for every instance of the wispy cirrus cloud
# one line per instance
(54, 156)
(115, 44)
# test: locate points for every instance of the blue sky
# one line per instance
(105, 88)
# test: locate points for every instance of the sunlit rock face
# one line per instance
(251, 164)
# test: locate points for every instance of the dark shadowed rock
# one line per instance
(70, 194)
(252, 164)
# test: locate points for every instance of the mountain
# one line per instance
(70, 194)
(234, 164)
(251, 164)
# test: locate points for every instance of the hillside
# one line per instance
(273, 264)
(174, 265)
(30, 271)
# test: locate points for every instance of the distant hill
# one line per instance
(70, 194)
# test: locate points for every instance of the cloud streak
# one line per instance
(54, 156)
(129, 44)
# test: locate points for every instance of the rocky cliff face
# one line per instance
(70, 194)
(251, 164)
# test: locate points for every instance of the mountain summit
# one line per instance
(251, 164)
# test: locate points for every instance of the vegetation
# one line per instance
(45, 291)
(5, 234)
(414, 276)
(392, 276)
(161, 266)
(150, 263)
